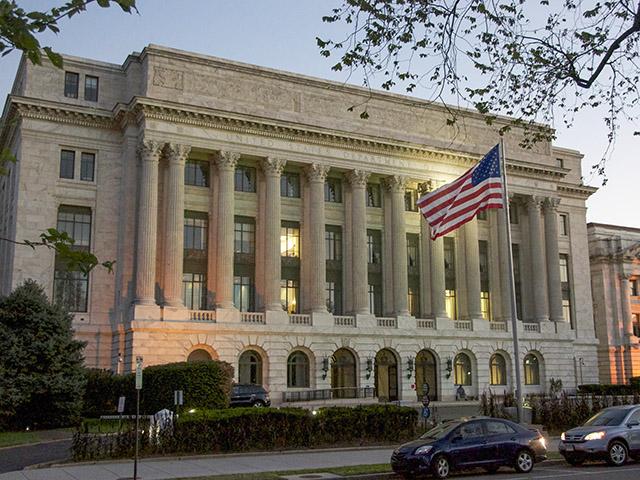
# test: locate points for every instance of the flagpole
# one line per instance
(512, 287)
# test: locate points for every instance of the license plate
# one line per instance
(571, 447)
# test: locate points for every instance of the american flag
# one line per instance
(456, 203)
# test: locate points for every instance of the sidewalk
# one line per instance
(171, 468)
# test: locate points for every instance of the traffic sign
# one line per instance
(426, 412)
(120, 404)
(138, 373)
(178, 397)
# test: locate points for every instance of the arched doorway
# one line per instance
(386, 376)
(250, 368)
(199, 355)
(426, 372)
(343, 374)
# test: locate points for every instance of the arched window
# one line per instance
(298, 370)
(531, 370)
(199, 355)
(462, 369)
(250, 368)
(498, 368)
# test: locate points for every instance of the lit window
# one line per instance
(194, 290)
(333, 190)
(450, 304)
(87, 166)
(298, 370)
(450, 277)
(413, 299)
(462, 370)
(289, 241)
(245, 179)
(531, 370)
(71, 81)
(196, 173)
(290, 185)
(498, 368)
(67, 163)
(485, 298)
(373, 195)
(289, 295)
(91, 88)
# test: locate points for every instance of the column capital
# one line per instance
(534, 202)
(149, 150)
(358, 178)
(550, 204)
(625, 277)
(226, 160)
(272, 166)
(177, 153)
(426, 187)
(316, 172)
(395, 183)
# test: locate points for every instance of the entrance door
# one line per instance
(343, 374)
(386, 376)
(426, 372)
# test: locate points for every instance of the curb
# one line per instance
(35, 443)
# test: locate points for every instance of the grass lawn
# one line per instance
(8, 439)
(354, 470)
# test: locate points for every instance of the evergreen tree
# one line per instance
(41, 364)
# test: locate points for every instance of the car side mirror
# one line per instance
(633, 424)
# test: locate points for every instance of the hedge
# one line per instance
(610, 389)
(245, 429)
(205, 385)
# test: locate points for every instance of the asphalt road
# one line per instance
(16, 458)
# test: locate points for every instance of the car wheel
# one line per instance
(576, 462)
(491, 470)
(441, 467)
(524, 461)
(617, 454)
(258, 404)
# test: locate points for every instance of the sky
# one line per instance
(281, 34)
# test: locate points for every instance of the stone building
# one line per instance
(254, 218)
(614, 253)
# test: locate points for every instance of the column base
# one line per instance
(406, 322)
(444, 323)
(175, 312)
(366, 321)
(322, 319)
(227, 315)
(480, 324)
(276, 317)
(146, 312)
(274, 307)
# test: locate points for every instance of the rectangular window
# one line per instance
(374, 197)
(450, 277)
(333, 293)
(196, 173)
(195, 230)
(515, 248)
(243, 293)
(410, 201)
(71, 81)
(87, 166)
(566, 288)
(333, 190)
(413, 298)
(635, 322)
(245, 179)
(333, 242)
(559, 162)
(482, 215)
(485, 299)
(244, 235)
(76, 222)
(514, 219)
(67, 163)
(289, 295)
(413, 250)
(374, 246)
(290, 185)
(633, 284)
(564, 224)
(375, 299)
(194, 290)
(290, 240)
(91, 88)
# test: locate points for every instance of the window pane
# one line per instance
(87, 165)
(289, 241)
(67, 163)
(71, 81)
(290, 185)
(245, 179)
(91, 88)
(196, 173)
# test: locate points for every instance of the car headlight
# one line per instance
(562, 437)
(595, 436)
(542, 441)
(423, 450)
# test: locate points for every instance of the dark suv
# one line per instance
(249, 396)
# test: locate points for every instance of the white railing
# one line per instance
(426, 323)
(463, 325)
(498, 326)
(344, 321)
(298, 319)
(531, 327)
(387, 322)
(252, 317)
(202, 315)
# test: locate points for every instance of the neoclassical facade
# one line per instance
(614, 252)
(254, 218)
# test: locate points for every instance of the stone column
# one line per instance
(553, 258)
(625, 297)
(472, 269)
(538, 263)
(425, 261)
(396, 185)
(174, 224)
(359, 253)
(149, 152)
(226, 163)
(505, 273)
(317, 174)
(272, 168)
(438, 304)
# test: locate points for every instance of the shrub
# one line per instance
(608, 389)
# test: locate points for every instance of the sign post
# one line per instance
(178, 399)
(120, 410)
(138, 388)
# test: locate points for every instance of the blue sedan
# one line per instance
(489, 443)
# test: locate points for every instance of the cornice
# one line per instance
(60, 113)
(577, 191)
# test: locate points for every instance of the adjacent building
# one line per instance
(255, 218)
(614, 252)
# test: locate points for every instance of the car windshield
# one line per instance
(440, 431)
(606, 417)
